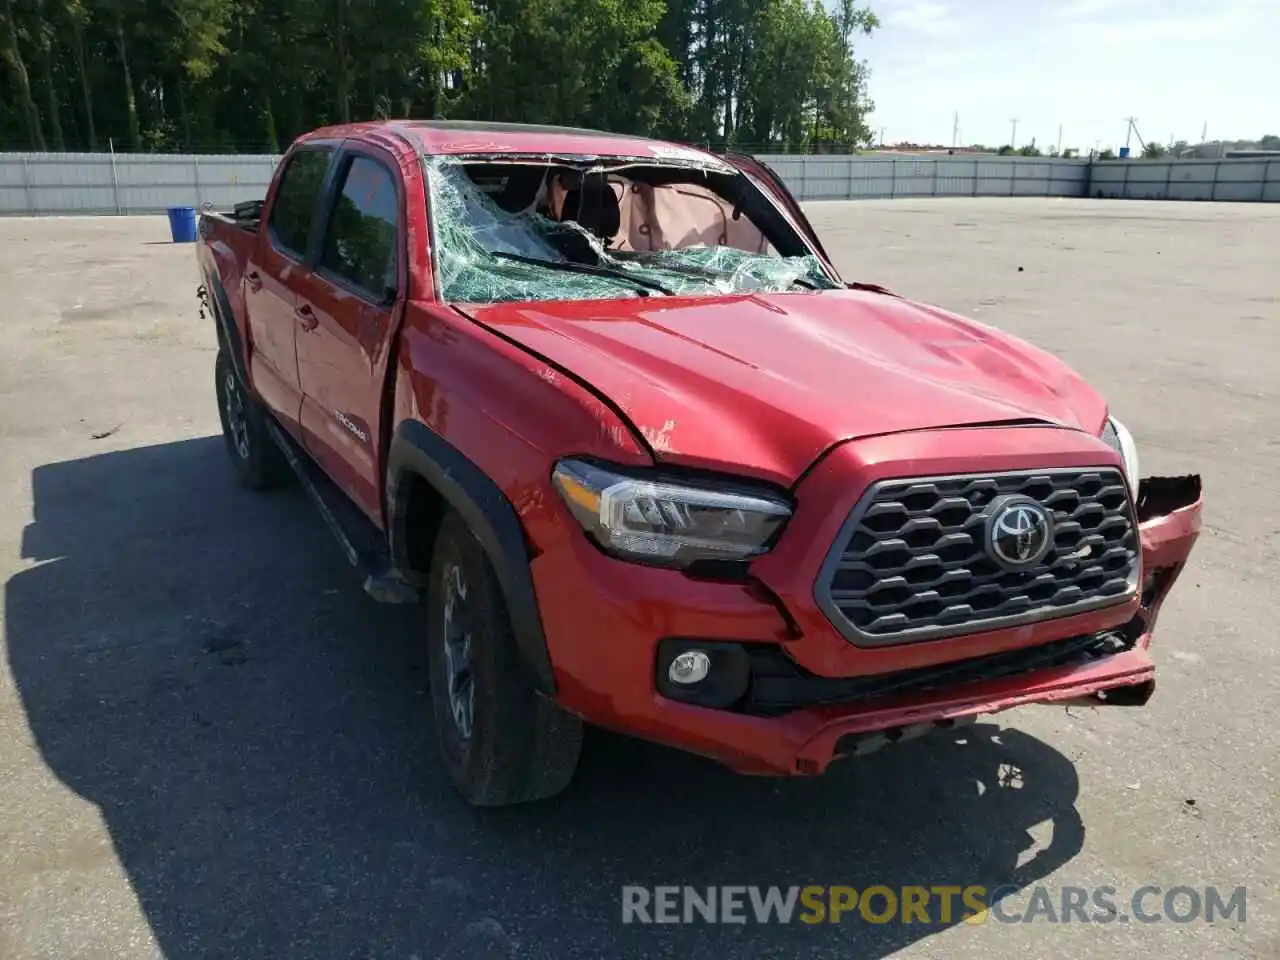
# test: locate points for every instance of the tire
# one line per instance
(510, 745)
(257, 460)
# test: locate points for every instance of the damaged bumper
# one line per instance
(1169, 514)
(793, 723)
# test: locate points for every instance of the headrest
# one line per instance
(594, 206)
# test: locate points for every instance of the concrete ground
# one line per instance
(211, 744)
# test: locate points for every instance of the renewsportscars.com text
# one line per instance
(931, 905)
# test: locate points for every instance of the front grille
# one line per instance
(911, 562)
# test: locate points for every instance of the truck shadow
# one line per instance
(198, 662)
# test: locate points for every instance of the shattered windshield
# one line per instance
(498, 238)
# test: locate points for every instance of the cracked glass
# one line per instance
(487, 254)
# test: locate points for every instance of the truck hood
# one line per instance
(763, 384)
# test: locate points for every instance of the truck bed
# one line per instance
(244, 216)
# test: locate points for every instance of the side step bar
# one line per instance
(363, 544)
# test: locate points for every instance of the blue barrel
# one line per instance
(182, 224)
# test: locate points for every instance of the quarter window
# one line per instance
(295, 201)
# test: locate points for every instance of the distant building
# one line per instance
(1224, 149)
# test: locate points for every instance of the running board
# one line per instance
(363, 544)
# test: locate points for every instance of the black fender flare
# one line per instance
(228, 332)
(417, 449)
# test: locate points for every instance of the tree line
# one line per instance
(250, 75)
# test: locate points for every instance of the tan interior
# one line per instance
(680, 215)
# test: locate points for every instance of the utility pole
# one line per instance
(882, 136)
(1204, 132)
(1013, 135)
(1058, 149)
(955, 130)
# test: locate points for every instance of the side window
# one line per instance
(360, 243)
(290, 223)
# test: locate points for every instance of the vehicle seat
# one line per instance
(594, 206)
(520, 190)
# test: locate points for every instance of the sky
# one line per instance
(1086, 65)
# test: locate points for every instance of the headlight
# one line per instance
(667, 522)
(1120, 440)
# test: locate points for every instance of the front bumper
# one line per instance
(605, 621)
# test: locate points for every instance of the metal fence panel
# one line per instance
(1235, 180)
(1107, 173)
(993, 186)
(1237, 190)
(1251, 171)
(1021, 186)
(858, 177)
(98, 183)
(1190, 190)
(71, 183)
(1197, 172)
(956, 185)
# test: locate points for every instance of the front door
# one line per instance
(271, 281)
(347, 311)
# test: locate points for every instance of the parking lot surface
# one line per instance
(212, 744)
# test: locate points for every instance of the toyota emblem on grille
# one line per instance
(1019, 532)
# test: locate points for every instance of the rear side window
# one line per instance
(360, 244)
(295, 202)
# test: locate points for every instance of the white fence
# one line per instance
(103, 183)
(1256, 180)
(860, 177)
(79, 183)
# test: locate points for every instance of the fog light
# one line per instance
(689, 668)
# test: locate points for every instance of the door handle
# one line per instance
(254, 280)
(307, 317)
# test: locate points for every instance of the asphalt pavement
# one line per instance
(213, 745)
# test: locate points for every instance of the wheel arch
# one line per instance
(417, 456)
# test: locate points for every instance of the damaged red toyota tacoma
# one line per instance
(605, 409)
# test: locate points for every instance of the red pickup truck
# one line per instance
(605, 408)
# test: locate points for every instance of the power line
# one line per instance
(1132, 131)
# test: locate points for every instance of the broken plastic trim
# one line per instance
(468, 228)
(1161, 496)
(685, 160)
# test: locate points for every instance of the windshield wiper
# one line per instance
(714, 277)
(569, 267)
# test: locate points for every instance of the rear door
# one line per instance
(272, 277)
(769, 178)
(348, 306)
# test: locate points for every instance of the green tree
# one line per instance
(15, 62)
(253, 74)
(76, 14)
